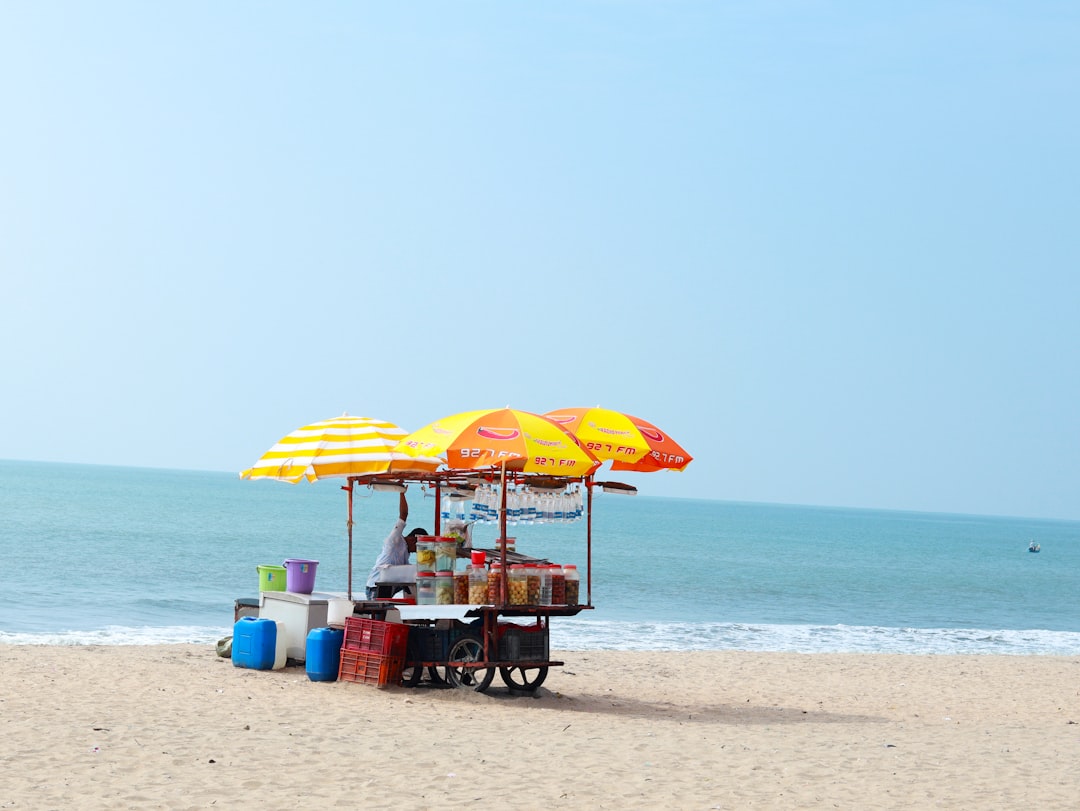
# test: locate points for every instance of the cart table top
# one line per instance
(460, 612)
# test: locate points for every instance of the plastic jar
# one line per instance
(558, 585)
(425, 588)
(573, 584)
(494, 584)
(425, 554)
(545, 585)
(478, 583)
(444, 588)
(518, 583)
(445, 554)
(533, 574)
(461, 588)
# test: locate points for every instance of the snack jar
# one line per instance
(425, 553)
(445, 554)
(444, 588)
(573, 584)
(518, 583)
(558, 584)
(461, 588)
(478, 583)
(533, 574)
(494, 581)
(425, 588)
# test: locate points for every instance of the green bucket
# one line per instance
(271, 578)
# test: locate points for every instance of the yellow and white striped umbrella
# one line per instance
(341, 446)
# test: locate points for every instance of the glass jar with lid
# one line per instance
(518, 583)
(461, 588)
(444, 588)
(478, 583)
(533, 574)
(445, 554)
(573, 584)
(494, 584)
(425, 553)
(558, 584)
(425, 588)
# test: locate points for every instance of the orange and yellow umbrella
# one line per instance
(495, 438)
(629, 442)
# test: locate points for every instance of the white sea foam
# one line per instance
(576, 634)
(120, 635)
(597, 635)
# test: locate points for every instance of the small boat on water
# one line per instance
(1034, 547)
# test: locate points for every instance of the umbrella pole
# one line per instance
(503, 588)
(349, 491)
(588, 537)
(438, 508)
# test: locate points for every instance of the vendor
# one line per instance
(396, 548)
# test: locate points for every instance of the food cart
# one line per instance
(464, 645)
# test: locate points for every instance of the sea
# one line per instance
(99, 555)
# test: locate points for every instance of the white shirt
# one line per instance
(395, 552)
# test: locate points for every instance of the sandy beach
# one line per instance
(178, 727)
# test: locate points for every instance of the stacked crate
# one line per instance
(373, 651)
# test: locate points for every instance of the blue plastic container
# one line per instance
(323, 653)
(254, 643)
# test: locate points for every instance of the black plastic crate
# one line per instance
(523, 643)
(427, 644)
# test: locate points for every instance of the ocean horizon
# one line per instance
(117, 555)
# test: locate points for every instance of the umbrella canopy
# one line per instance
(506, 437)
(503, 439)
(338, 447)
(631, 443)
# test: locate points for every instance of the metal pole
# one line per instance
(588, 535)
(503, 588)
(438, 507)
(349, 490)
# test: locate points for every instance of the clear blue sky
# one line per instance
(832, 248)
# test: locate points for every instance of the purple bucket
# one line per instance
(300, 575)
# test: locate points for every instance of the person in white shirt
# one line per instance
(396, 548)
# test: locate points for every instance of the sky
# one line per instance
(829, 247)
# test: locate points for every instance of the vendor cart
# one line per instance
(465, 645)
(467, 652)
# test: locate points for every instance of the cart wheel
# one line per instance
(468, 649)
(519, 678)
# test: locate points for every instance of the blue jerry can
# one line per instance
(254, 643)
(323, 653)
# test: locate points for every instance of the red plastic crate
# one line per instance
(370, 668)
(375, 636)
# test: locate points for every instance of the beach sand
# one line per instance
(178, 727)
